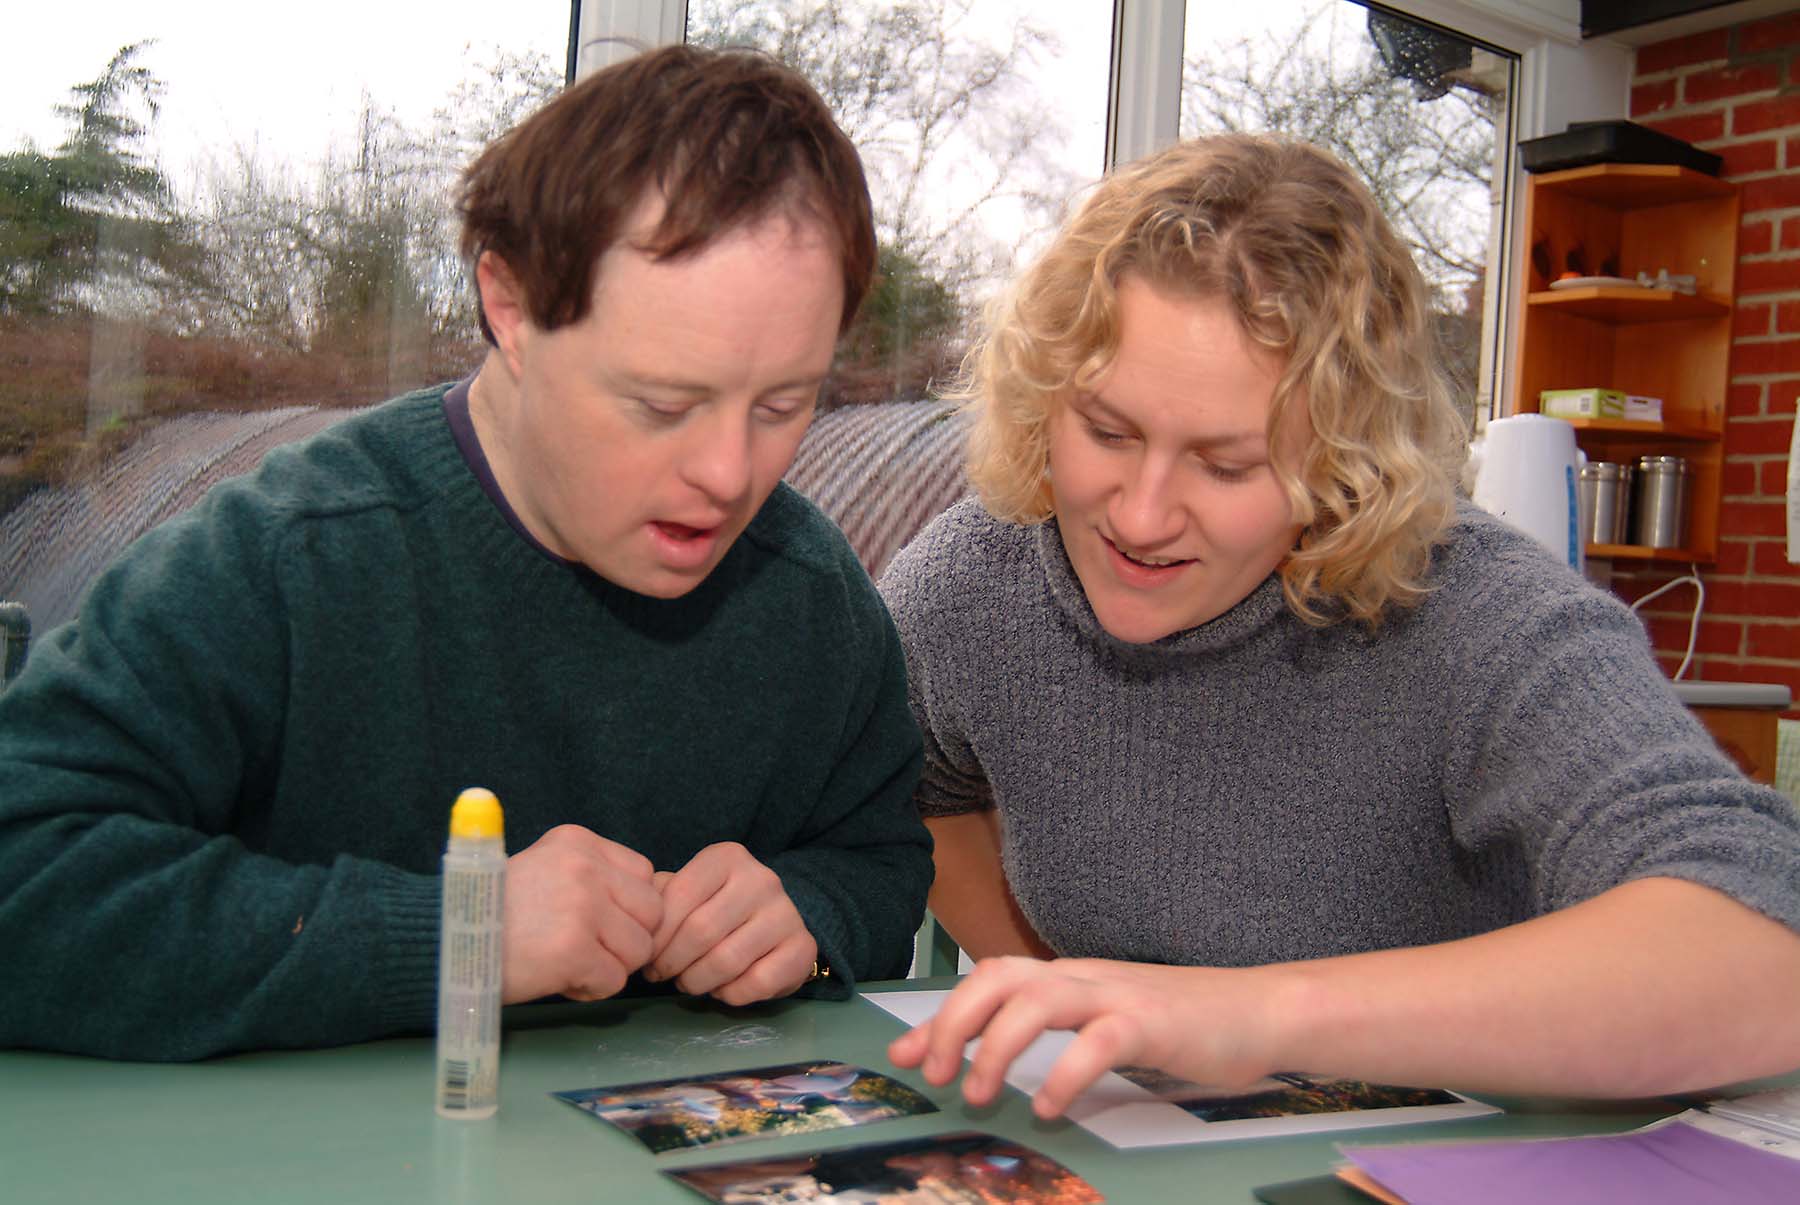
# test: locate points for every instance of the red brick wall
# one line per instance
(1736, 92)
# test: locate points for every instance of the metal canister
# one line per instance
(1605, 502)
(1661, 502)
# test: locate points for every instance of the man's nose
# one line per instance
(717, 461)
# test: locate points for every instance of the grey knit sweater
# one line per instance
(1255, 790)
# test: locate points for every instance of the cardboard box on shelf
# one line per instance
(1641, 409)
(1582, 403)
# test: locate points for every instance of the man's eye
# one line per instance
(668, 411)
(777, 410)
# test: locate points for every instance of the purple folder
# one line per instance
(1672, 1164)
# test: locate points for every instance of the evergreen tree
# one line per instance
(93, 209)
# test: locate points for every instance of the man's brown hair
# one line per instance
(727, 137)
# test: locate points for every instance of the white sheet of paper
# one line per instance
(1738, 1131)
(1126, 1115)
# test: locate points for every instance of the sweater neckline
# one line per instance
(539, 577)
(1259, 611)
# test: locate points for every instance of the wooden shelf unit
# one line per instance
(1629, 218)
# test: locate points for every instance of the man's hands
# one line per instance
(1196, 1022)
(581, 913)
(729, 930)
(584, 913)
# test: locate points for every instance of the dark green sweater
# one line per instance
(224, 787)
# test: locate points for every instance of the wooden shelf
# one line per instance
(1634, 185)
(1619, 430)
(1628, 303)
(1642, 552)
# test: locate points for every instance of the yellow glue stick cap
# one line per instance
(476, 814)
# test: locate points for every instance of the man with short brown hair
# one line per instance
(574, 578)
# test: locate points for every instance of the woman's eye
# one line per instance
(1104, 435)
(1227, 473)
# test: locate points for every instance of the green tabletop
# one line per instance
(356, 1123)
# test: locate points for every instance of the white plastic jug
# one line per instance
(1529, 471)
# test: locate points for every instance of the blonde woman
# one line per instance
(1298, 762)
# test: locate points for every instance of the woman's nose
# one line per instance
(1145, 512)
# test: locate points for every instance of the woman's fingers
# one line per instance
(1102, 1015)
(1109, 1040)
(967, 1012)
(908, 1050)
(1009, 1003)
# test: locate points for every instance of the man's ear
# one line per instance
(503, 304)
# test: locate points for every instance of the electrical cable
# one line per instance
(1693, 575)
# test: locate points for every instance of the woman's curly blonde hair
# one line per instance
(1294, 244)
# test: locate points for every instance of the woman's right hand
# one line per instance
(1196, 1022)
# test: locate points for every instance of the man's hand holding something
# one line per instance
(729, 930)
(581, 912)
(1192, 1021)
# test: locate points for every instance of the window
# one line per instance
(977, 120)
(219, 225)
(1422, 114)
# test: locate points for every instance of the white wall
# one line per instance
(647, 22)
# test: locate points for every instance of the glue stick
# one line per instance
(469, 959)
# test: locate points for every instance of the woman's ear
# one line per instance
(503, 304)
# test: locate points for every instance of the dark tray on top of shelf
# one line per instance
(1586, 142)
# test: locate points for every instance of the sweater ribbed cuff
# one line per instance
(827, 928)
(406, 991)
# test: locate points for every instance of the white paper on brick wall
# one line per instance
(1793, 497)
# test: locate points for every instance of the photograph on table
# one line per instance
(791, 1098)
(961, 1167)
(1291, 1094)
